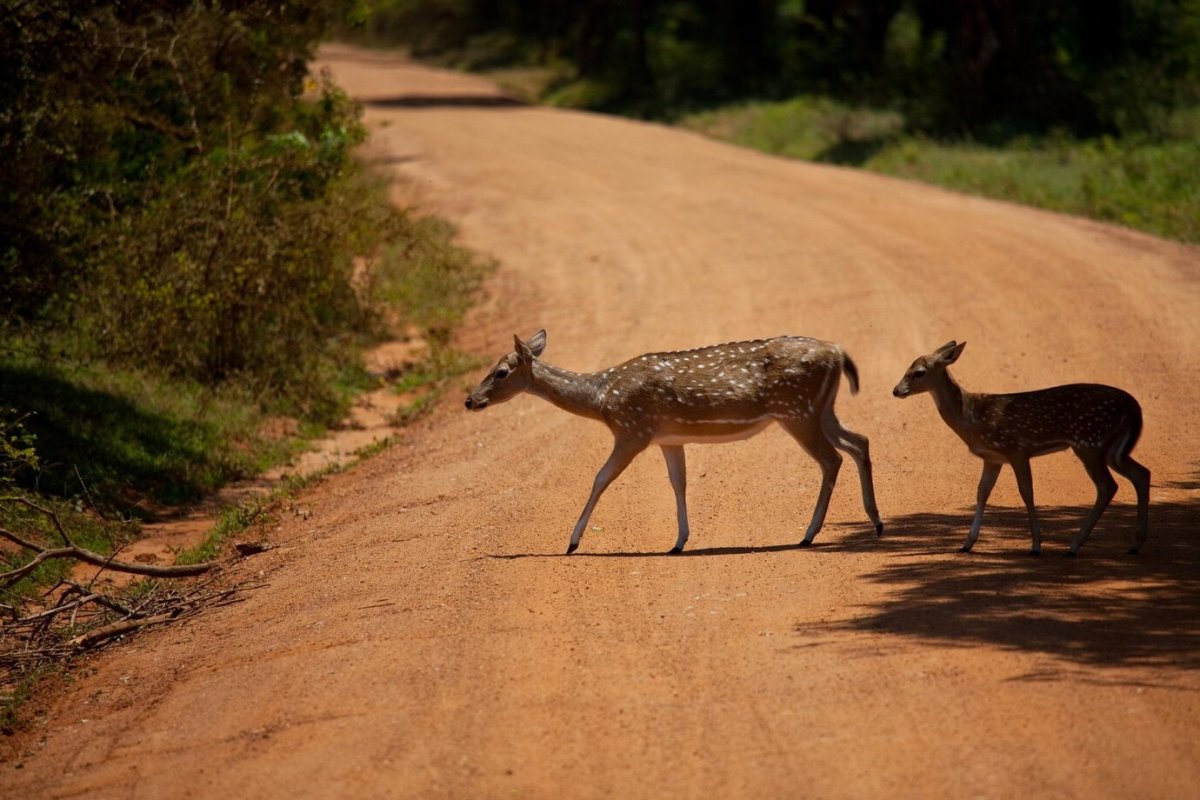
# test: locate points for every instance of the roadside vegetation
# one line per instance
(1142, 183)
(1087, 108)
(191, 261)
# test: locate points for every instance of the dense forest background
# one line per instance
(993, 67)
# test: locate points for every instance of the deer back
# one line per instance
(739, 382)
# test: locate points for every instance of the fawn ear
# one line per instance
(949, 352)
(537, 342)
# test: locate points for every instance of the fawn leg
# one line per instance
(991, 471)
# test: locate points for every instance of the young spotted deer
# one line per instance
(1100, 423)
(721, 393)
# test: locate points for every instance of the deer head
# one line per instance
(511, 376)
(921, 376)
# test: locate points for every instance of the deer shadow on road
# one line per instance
(1104, 608)
(687, 553)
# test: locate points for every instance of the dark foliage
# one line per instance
(175, 190)
(980, 65)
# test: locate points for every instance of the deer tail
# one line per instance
(851, 372)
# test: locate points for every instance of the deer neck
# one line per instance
(571, 391)
(952, 403)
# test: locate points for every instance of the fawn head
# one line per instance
(511, 375)
(921, 375)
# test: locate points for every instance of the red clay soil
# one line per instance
(422, 634)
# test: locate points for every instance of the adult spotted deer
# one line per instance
(721, 393)
(1100, 423)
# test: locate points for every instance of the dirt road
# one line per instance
(422, 635)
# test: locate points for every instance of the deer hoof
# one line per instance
(964, 549)
(805, 543)
(572, 547)
(1070, 554)
(674, 551)
(879, 529)
(1133, 551)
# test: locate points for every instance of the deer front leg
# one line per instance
(991, 471)
(1025, 486)
(677, 470)
(623, 452)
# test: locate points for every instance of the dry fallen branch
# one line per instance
(95, 559)
(72, 550)
(86, 640)
(85, 597)
(58, 609)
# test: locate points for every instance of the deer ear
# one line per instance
(523, 352)
(949, 352)
(537, 342)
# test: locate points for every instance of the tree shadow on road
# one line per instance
(1104, 608)
(418, 101)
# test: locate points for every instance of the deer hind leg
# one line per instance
(991, 471)
(1106, 487)
(623, 452)
(816, 444)
(859, 449)
(1025, 486)
(1139, 476)
(677, 470)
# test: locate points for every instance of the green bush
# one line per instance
(175, 189)
(808, 127)
(240, 264)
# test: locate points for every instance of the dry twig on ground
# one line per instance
(70, 618)
(72, 550)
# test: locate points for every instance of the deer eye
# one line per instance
(918, 373)
(501, 373)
